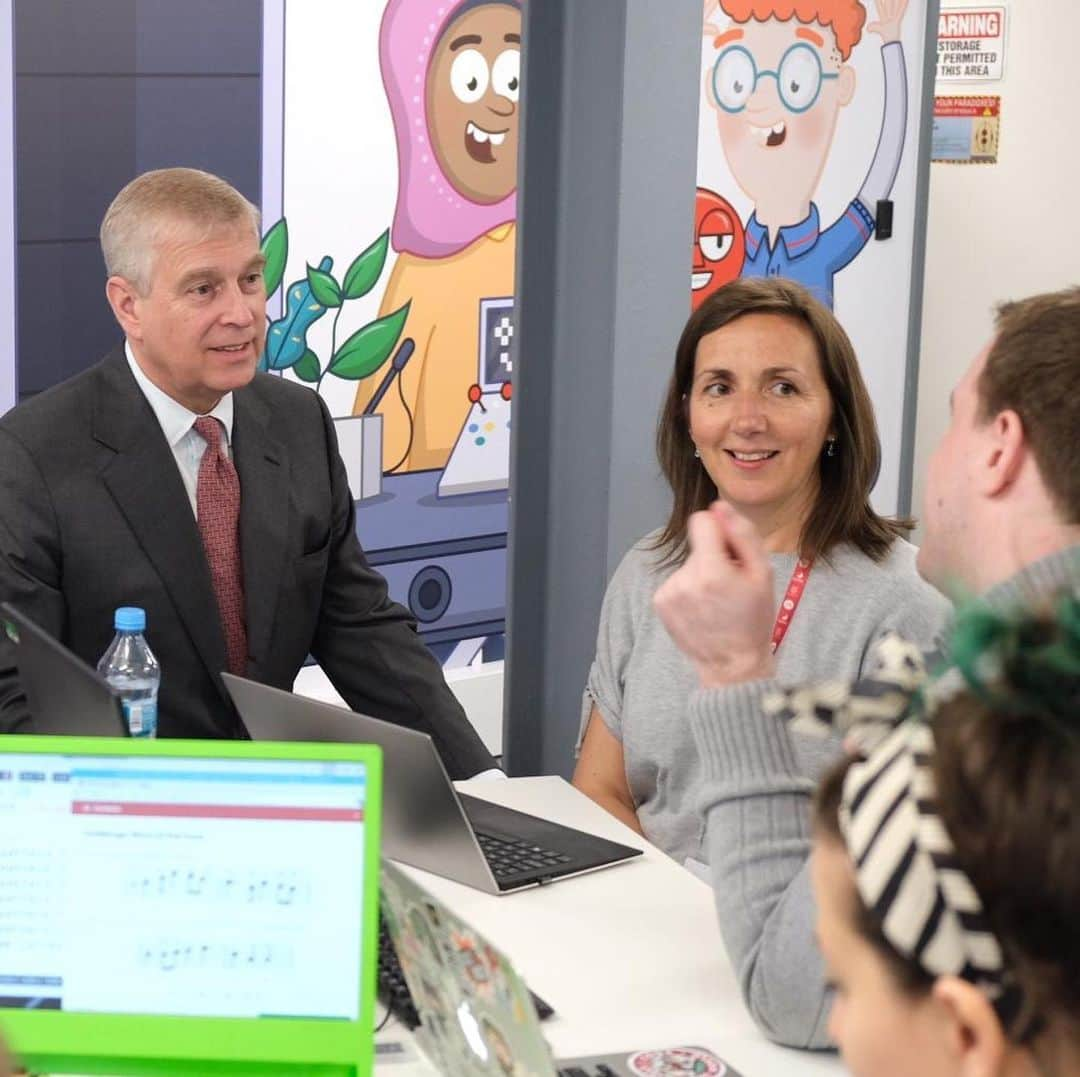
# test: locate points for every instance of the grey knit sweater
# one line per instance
(756, 803)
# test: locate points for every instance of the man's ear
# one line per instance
(1004, 452)
(973, 1036)
(846, 85)
(124, 300)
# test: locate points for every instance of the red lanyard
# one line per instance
(790, 604)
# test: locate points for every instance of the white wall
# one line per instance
(1006, 230)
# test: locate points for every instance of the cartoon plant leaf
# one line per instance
(286, 339)
(366, 268)
(324, 288)
(369, 347)
(275, 248)
(307, 368)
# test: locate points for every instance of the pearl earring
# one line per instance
(697, 452)
(830, 447)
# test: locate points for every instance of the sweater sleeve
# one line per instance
(757, 809)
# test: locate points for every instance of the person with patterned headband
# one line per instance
(1002, 521)
(946, 861)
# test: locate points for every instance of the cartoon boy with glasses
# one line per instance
(778, 82)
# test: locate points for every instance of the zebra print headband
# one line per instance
(906, 870)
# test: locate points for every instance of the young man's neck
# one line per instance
(1016, 547)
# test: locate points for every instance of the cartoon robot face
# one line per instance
(719, 245)
(472, 101)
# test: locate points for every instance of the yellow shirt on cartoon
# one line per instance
(444, 323)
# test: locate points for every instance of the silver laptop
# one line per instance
(65, 696)
(426, 822)
(475, 1016)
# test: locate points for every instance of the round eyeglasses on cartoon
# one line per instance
(798, 78)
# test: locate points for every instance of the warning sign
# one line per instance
(971, 44)
(966, 129)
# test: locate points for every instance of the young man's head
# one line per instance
(1003, 485)
(183, 256)
(777, 85)
(947, 871)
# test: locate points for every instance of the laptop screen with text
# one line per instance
(182, 885)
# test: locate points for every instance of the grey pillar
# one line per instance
(605, 222)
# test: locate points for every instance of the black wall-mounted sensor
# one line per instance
(883, 219)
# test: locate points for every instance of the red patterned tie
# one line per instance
(217, 501)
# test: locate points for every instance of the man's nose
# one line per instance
(502, 107)
(238, 308)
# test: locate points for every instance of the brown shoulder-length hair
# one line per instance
(842, 512)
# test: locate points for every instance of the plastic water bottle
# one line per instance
(132, 671)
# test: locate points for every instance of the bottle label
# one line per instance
(141, 717)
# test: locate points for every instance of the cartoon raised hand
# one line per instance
(890, 16)
(710, 29)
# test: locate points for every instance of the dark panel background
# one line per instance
(104, 90)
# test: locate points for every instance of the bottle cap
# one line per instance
(130, 619)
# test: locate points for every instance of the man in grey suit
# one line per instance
(106, 500)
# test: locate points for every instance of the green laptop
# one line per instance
(188, 907)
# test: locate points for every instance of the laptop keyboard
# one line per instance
(510, 858)
(394, 991)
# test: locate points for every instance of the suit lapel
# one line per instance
(263, 467)
(145, 483)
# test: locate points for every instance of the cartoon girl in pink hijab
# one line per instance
(451, 72)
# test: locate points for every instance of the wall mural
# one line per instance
(395, 256)
(808, 149)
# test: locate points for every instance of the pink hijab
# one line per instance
(432, 219)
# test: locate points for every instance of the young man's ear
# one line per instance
(846, 85)
(973, 1036)
(1004, 450)
(124, 300)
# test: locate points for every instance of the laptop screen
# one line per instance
(181, 885)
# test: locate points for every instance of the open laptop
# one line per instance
(427, 822)
(64, 694)
(475, 1017)
(188, 907)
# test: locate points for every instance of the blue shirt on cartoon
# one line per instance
(806, 254)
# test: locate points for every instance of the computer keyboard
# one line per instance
(392, 988)
(599, 1070)
(512, 858)
(394, 991)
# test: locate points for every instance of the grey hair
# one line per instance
(153, 203)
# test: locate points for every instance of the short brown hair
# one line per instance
(141, 213)
(1033, 368)
(1006, 771)
(843, 512)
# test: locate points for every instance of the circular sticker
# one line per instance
(676, 1060)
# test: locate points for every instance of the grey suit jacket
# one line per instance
(93, 515)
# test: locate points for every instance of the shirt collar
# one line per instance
(175, 420)
(797, 238)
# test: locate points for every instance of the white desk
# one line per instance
(630, 956)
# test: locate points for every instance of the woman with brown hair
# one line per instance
(946, 863)
(766, 410)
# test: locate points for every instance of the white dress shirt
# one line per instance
(176, 424)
